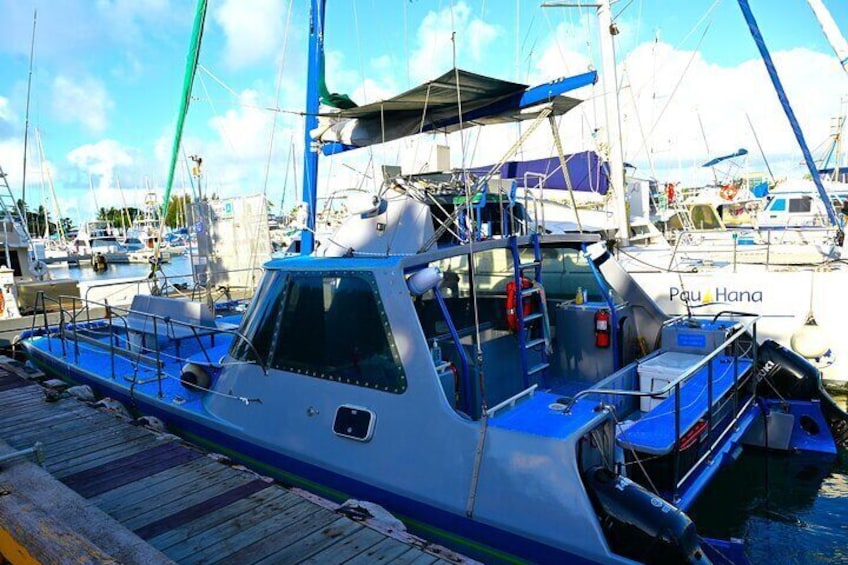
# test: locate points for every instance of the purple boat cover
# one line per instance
(587, 172)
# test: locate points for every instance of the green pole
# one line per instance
(188, 81)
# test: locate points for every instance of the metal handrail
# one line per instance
(679, 380)
(123, 312)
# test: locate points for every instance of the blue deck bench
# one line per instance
(175, 320)
(654, 433)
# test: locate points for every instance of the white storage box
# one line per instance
(656, 373)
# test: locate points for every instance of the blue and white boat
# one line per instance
(510, 394)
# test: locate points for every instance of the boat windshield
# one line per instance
(324, 325)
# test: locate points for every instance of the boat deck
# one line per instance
(110, 491)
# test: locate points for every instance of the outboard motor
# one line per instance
(794, 378)
(640, 525)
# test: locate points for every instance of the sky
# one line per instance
(107, 77)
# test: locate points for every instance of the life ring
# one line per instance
(728, 191)
(38, 268)
(2, 303)
(669, 192)
(512, 302)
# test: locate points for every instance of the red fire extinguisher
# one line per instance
(602, 328)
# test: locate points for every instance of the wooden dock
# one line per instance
(113, 492)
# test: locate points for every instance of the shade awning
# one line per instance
(454, 100)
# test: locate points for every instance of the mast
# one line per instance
(607, 29)
(26, 118)
(310, 148)
(790, 115)
(831, 31)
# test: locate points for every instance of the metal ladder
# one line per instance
(540, 344)
(9, 208)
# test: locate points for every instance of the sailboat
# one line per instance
(509, 393)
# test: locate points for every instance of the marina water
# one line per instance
(789, 509)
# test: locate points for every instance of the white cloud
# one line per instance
(6, 114)
(101, 159)
(253, 29)
(433, 54)
(83, 100)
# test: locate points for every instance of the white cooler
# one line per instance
(656, 373)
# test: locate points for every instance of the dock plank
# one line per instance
(386, 551)
(188, 495)
(346, 547)
(195, 471)
(188, 513)
(199, 526)
(172, 498)
(97, 455)
(217, 541)
(313, 543)
(129, 468)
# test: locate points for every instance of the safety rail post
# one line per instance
(710, 374)
(200, 343)
(73, 327)
(158, 357)
(768, 249)
(735, 350)
(108, 314)
(676, 439)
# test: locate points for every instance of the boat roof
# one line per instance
(356, 262)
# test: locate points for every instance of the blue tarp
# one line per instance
(760, 190)
(713, 162)
(585, 169)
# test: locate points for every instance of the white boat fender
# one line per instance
(195, 377)
(424, 280)
(809, 341)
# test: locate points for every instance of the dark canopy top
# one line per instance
(434, 106)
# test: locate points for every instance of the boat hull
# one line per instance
(468, 536)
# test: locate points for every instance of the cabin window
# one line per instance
(800, 204)
(332, 326)
(778, 205)
(261, 320)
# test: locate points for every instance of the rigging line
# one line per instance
(676, 87)
(277, 99)
(694, 27)
(471, 267)
(420, 128)
(648, 152)
(364, 86)
(760, 147)
(615, 17)
(26, 120)
(218, 116)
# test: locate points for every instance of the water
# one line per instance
(788, 508)
(177, 265)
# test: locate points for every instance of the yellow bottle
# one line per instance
(578, 298)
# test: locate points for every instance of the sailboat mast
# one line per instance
(310, 149)
(831, 31)
(607, 30)
(787, 109)
(26, 118)
(609, 79)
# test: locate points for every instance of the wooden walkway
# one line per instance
(187, 506)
